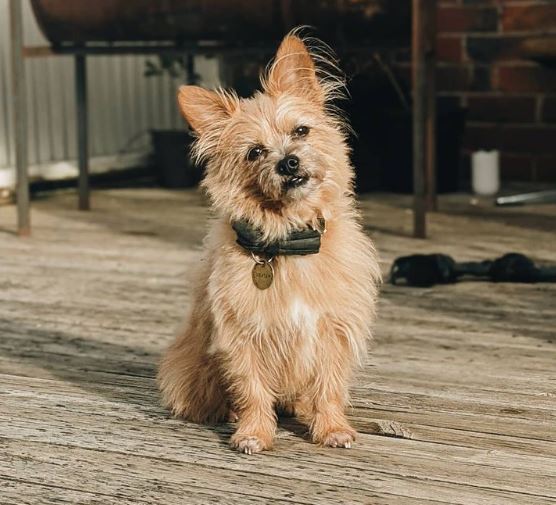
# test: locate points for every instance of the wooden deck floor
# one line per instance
(464, 375)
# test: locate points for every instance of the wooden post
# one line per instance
(419, 116)
(82, 131)
(430, 133)
(20, 119)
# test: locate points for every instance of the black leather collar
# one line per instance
(299, 242)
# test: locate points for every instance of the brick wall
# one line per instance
(511, 100)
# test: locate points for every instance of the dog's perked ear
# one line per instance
(202, 108)
(293, 71)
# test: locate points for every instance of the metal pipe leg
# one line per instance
(82, 131)
(430, 62)
(419, 118)
(20, 119)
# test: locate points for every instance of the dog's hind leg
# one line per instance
(189, 378)
(285, 409)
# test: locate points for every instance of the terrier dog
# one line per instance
(285, 297)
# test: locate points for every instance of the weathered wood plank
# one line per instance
(287, 479)
(20, 492)
(373, 455)
(446, 428)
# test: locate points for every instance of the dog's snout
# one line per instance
(288, 165)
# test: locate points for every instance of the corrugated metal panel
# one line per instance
(124, 105)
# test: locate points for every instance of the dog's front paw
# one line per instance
(247, 444)
(342, 439)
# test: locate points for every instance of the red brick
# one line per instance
(529, 17)
(497, 108)
(481, 78)
(523, 79)
(516, 167)
(467, 19)
(529, 139)
(482, 137)
(452, 78)
(449, 49)
(487, 49)
(548, 114)
(545, 169)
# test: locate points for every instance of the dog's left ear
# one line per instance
(204, 109)
(293, 71)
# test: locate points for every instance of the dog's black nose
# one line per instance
(288, 166)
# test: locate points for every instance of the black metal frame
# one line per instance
(424, 124)
(20, 119)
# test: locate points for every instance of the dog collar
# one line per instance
(298, 242)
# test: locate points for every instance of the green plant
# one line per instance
(174, 65)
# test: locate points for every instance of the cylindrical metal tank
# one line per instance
(224, 21)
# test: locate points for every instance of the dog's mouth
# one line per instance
(295, 181)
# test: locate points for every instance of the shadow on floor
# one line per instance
(118, 372)
(174, 216)
(509, 216)
(516, 309)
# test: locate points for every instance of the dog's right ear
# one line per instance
(293, 71)
(202, 108)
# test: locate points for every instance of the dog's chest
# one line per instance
(296, 306)
(301, 316)
(289, 316)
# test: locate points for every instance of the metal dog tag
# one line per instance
(262, 274)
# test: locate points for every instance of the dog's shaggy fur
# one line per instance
(295, 345)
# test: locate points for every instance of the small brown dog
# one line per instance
(282, 310)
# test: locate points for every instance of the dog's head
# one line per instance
(282, 151)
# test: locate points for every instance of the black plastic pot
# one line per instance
(172, 164)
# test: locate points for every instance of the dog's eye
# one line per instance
(255, 153)
(300, 131)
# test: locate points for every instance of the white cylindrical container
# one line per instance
(485, 172)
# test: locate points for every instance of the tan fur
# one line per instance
(296, 344)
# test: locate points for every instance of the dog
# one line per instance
(286, 295)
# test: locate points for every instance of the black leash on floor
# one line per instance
(424, 270)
